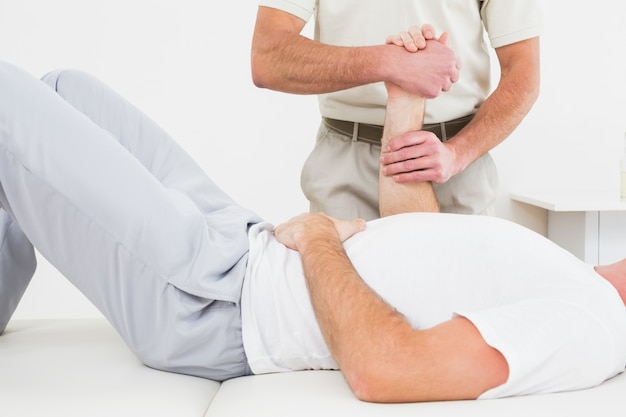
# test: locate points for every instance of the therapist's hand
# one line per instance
(419, 156)
(438, 65)
(413, 39)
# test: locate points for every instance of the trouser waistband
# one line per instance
(373, 133)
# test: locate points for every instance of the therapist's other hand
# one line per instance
(419, 156)
(414, 38)
(308, 226)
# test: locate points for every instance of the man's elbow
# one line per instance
(371, 385)
(364, 388)
(259, 72)
(264, 69)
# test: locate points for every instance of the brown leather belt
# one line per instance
(372, 133)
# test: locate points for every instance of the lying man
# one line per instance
(411, 307)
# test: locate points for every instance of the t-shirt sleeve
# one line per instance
(303, 9)
(510, 21)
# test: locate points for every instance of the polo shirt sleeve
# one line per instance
(510, 21)
(303, 9)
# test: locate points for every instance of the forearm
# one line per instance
(506, 107)
(341, 300)
(496, 119)
(358, 326)
(404, 113)
(284, 60)
(292, 63)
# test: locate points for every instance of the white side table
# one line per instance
(591, 226)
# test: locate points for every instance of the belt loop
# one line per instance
(444, 136)
(355, 132)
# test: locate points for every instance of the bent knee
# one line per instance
(63, 78)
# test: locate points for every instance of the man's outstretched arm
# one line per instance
(405, 112)
(382, 357)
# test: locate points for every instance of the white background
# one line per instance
(186, 64)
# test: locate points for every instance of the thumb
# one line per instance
(444, 38)
(348, 228)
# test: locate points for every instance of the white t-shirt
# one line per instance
(559, 325)
(359, 23)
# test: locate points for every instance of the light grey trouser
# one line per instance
(126, 215)
(340, 178)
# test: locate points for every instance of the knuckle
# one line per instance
(406, 154)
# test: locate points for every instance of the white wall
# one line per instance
(572, 139)
(178, 60)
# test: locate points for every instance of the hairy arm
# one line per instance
(285, 60)
(507, 106)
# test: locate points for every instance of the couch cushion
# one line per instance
(81, 367)
(325, 393)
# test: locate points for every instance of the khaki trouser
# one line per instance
(340, 178)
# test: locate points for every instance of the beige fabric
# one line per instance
(340, 178)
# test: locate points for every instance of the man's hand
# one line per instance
(413, 39)
(430, 68)
(305, 227)
(419, 156)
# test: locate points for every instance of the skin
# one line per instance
(615, 273)
(405, 111)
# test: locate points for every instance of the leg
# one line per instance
(404, 113)
(142, 137)
(125, 215)
(17, 266)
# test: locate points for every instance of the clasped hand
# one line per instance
(418, 155)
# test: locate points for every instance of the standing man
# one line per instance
(347, 63)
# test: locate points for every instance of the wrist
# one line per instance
(387, 57)
(316, 227)
(398, 98)
(461, 158)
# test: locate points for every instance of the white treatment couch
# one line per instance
(81, 367)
